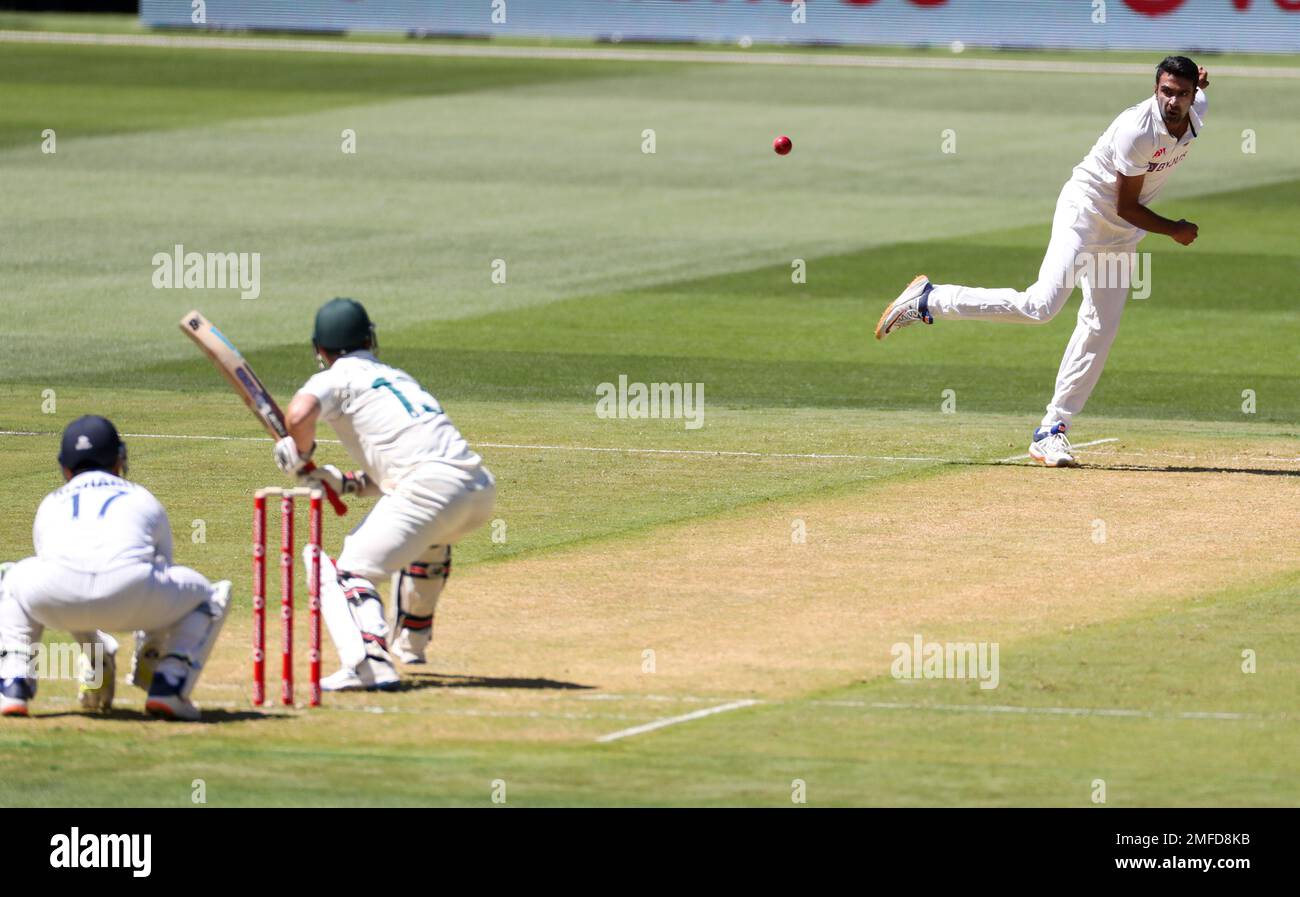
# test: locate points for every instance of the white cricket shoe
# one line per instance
(172, 707)
(98, 698)
(14, 695)
(166, 701)
(912, 305)
(1051, 447)
(410, 644)
(370, 675)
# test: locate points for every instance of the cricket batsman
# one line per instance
(1102, 212)
(104, 561)
(434, 491)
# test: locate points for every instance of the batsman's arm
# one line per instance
(1138, 215)
(300, 420)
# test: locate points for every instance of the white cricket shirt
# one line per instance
(388, 422)
(1137, 142)
(98, 522)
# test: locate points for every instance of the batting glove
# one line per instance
(288, 458)
(342, 482)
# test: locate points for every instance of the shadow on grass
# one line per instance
(420, 680)
(210, 717)
(1141, 468)
(1174, 468)
(1257, 471)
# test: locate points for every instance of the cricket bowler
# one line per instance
(104, 561)
(435, 491)
(1103, 211)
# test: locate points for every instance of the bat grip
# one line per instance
(330, 495)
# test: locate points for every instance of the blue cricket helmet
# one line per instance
(91, 443)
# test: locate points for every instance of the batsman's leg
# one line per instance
(354, 615)
(416, 590)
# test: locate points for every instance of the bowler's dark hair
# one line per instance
(1179, 67)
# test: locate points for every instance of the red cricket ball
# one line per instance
(782, 145)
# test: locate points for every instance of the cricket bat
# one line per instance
(232, 365)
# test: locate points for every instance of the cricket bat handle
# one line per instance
(330, 495)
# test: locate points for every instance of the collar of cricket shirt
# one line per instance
(1193, 123)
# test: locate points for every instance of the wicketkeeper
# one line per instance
(104, 561)
(435, 491)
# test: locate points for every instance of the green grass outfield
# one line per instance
(676, 266)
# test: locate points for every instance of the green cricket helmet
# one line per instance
(342, 326)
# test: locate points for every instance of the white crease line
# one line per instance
(1053, 711)
(564, 448)
(167, 436)
(711, 452)
(1077, 446)
(674, 720)
(822, 59)
(815, 456)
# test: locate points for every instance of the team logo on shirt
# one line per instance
(1153, 166)
(1160, 152)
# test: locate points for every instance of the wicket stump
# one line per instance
(286, 592)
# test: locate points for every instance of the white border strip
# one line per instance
(1080, 68)
(674, 720)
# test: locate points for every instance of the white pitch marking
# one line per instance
(674, 720)
(566, 448)
(831, 60)
(166, 436)
(815, 456)
(1078, 446)
(726, 452)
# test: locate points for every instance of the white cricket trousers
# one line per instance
(433, 505)
(429, 509)
(1079, 252)
(139, 597)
